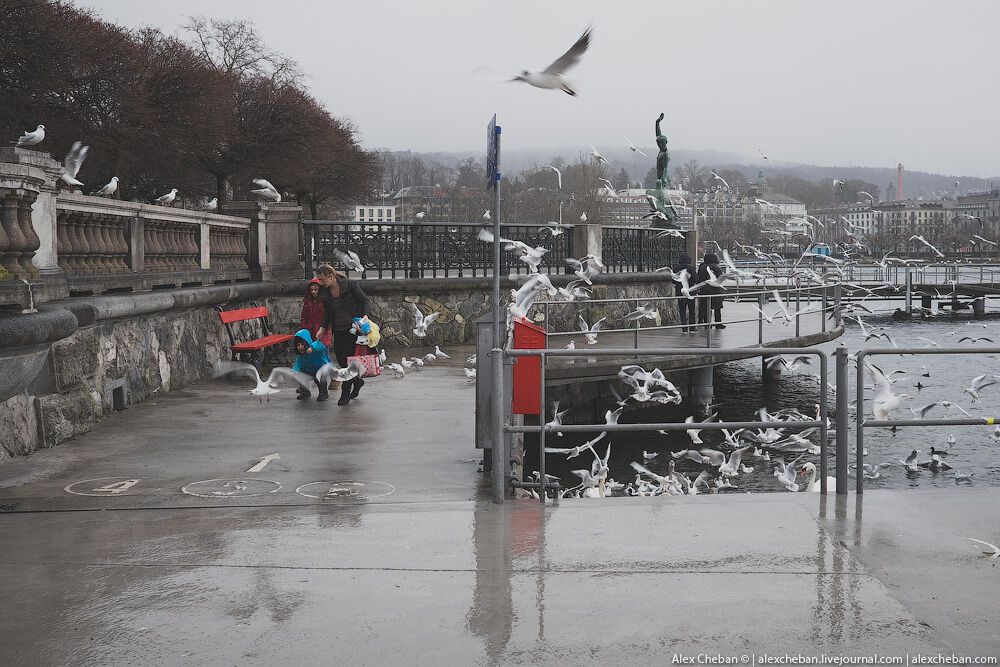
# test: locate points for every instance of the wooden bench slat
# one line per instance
(261, 343)
(242, 314)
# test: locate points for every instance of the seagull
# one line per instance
(72, 163)
(555, 228)
(266, 191)
(349, 259)
(108, 189)
(979, 382)
(167, 199)
(551, 78)
(994, 550)
(609, 186)
(264, 388)
(862, 192)
(571, 345)
(645, 311)
(719, 178)
(470, 373)
(558, 173)
(762, 154)
(212, 205)
(787, 474)
(693, 432)
(420, 215)
(973, 339)
(632, 147)
(31, 138)
(837, 182)
(583, 217)
(963, 476)
(597, 156)
(926, 243)
(331, 372)
(439, 353)
(977, 236)
(406, 362)
(911, 462)
(397, 370)
(421, 322)
(556, 418)
(883, 401)
(922, 412)
(649, 455)
(590, 332)
(486, 215)
(586, 267)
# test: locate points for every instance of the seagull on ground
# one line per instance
(167, 199)
(31, 138)
(633, 148)
(439, 353)
(398, 371)
(551, 78)
(71, 165)
(993, 550)
(108, 189)
(266, 191)
(331, 372)
(263, 388)
(470, 373)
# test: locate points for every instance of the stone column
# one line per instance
(205, 247)
(274, 238)
(588, 239)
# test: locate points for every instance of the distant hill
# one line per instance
(916, 184)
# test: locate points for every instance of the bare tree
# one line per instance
(236, 48)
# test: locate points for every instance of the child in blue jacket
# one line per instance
(310, 357)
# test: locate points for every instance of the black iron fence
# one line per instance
(447, 250)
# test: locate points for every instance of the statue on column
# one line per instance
(662, 208)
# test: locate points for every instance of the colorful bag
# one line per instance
(368, 358)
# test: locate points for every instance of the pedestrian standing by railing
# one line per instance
(708, 293)
(685, 306)
(343, 300)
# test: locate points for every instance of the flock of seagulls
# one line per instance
(77, 154)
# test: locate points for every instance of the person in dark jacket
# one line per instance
(708, 293)
(685, 305)
(343, 300)
(314, 311)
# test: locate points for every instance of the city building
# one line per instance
(628, 207)
(899, 220)
(370, 213)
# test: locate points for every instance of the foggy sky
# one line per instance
(854, 82)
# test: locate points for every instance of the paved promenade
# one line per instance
(369, 541)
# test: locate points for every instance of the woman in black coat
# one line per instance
(685, 306)
(343, 300)
(707, 294)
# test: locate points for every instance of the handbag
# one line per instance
(368, 360)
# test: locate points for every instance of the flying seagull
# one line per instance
(551, 78)
(597, 156)
(72, 163)
(349, 259)
(31, 138)
(420, 322)
(632, 147)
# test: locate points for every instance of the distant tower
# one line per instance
(899, 182)
(890, 191)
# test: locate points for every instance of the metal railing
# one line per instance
(453, 249)
(827, 296)
(542, 428)
(861, 423)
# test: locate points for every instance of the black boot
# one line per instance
(358, 384)
(302, 393)
(324, 393)
(345, 393)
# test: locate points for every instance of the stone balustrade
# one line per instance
(18, 240)
(110, 245)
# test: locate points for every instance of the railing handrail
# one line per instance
(466, 223)
(72, 201)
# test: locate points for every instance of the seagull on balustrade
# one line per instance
(31, 138)
(167, 199)
(71, 165)
(212, 205)
(633, 148)
(421, 322)
(583, 217)
(486, 215)
(108, 189)
(266, 191)
(420, 215)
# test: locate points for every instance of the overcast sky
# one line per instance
(854, 82)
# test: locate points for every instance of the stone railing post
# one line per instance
(274, 238)
(588, 239)
(205, 246)
(137, 244)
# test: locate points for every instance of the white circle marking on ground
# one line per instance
(230, 488)
(105, 487)
(345, 490)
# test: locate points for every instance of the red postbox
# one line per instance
(527, 371)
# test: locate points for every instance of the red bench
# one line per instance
(251, 351)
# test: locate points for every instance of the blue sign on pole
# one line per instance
(492, 153)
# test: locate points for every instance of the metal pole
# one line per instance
(760, 319)
(860, 424)
(909, 292)
(500, 462)
(541, 433)
(709, 318)
(823, 309)
(798, 299)
(840, 356)
(637, 325)
(824, 412)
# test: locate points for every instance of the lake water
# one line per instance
(739, 393)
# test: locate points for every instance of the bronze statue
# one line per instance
(662, 208)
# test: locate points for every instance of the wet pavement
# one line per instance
(394, 555)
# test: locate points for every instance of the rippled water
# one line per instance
(739, 393)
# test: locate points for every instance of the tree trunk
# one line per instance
(220, 191)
